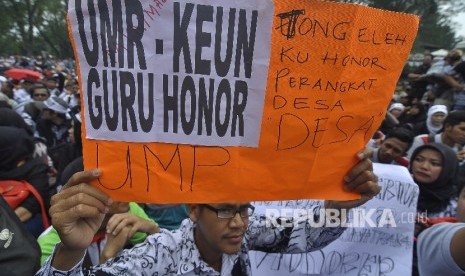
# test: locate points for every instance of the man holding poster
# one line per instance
(215, 240)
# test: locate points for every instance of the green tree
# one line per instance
(54, 32)
(435, 28)
(34, 26)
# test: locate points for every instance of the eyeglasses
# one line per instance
(228, 213)
(40, 95)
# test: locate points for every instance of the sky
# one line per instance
(460, 18)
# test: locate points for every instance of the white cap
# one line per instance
(54, 103)
(397, 106)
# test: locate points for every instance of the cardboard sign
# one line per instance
(371, 245)
(196, 101)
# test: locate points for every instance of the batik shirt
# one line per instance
(175, 253)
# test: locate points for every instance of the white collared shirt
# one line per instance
(175, 253)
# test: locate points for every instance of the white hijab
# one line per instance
(431, 111)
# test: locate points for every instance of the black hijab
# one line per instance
(15, 145)
(406, 118)
(10, 117)
(435, 196)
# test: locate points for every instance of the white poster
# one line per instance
(378, 241)
(188, 72)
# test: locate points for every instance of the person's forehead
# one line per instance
(432, 152)
(394, 140)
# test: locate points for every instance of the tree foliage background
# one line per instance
(38, 27)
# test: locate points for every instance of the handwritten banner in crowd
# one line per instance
(194, 101)
(379, 240)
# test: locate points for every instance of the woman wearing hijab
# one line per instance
(17, 163)
(11, 118)
(391, 120)
(434, 121)
(412, 115)
(434, 168)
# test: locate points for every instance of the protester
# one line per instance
(7, 88)
(412, 115)
(434, 168)
(16, 163)
(434, 121)
(64, 153)
(390, 121)
(23, 93)
(393, 147)
(71, 93)
(53, 125)
(418, 85)
(452, 134)
(9, 117)
(52, 86)
(214, 240)
(126, 223)
(40, 92)
(396, 109)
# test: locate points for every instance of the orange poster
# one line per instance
(220, 101)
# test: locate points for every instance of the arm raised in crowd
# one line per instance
(77, 213)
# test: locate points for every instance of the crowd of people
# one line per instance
(40, 143)
(424, 130)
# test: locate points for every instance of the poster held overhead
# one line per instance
(196, 101)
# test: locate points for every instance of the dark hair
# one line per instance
(39, 85)
(454, 118)
(420, 106)
(403, 134)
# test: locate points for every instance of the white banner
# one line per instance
(172, 71)
(379, 240)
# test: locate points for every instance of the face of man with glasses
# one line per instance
(220, 228)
